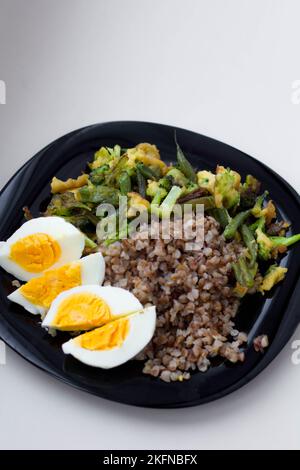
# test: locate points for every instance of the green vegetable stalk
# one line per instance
(166, 207)
(125, 183)
(147, 172)
(244, 273)
(267, 244)
(250, 243)
(234, 224)
(184, 164)
(221, 215)
(141, 183)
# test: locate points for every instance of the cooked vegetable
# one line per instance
(169, 202)
(98, 194)
(177, 177)
(249, 192)
(147, 154)
(250, 243)
(274, 275)
(267, 245)
(285, 241)
(89, 243)
(147, 172)
(59, 186)
(245, 273)
(103, 156)
(206, 180)
(239, 290)
(125, 183)
(141, 183)
(226, 190)
(234, 224)
(184, 165)
(97, 176)
(137, 204)
(156, 192)
(222, 216)
(207, 201)
(268, 212)
(243, 212)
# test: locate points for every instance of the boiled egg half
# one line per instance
(39, 245)
(87, 307)
(37, 295)
(114, 343)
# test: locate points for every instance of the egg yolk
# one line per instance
(35, 253)
(82, 311)
(108, 336)
(43, 290)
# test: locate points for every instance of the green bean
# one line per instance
(250, 243)
(141, 183)
(221, 215)
(184, 165)
(147, 172)
(234, 224)
(99, 194)
(238, 273)
(207, 201)
(125, 183)
(243, 273)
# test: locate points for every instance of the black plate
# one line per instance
(276, 315)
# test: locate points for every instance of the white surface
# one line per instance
(221, 68)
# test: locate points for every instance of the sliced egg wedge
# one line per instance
(114, 343)
(39, 245)
(87, 307)
(37, 295)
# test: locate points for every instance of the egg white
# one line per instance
(141, 330)
(92, 272)
(120, 301)
(69, 238)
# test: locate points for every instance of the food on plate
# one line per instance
(37, 295)
(244, 213)
(196, 292)
(86, 307)
(114, 343)
(40, 244)
(194, 295)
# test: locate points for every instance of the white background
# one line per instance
(224, 68)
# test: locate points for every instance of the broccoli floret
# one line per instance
(274, 275)
(97, 176)
(189, 188)
(137, 204)
(267, 245)
(103, 156)
(147, 154)
(166, 183)
(264, 243)
(226, 190)
(206, 180)
(268, 212)
(177, 177)
(156, 191)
